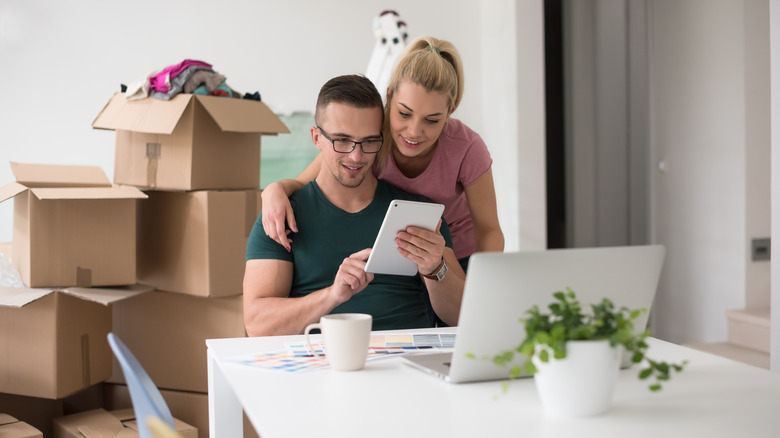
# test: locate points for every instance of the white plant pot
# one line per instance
(581, 384)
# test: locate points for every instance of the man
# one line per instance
(339, 215)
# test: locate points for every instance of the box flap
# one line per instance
(6, 419)
(242, 115)
(117, 192)
(10, 190)
(123, 414)
(13, 428)
(108, 295)
(89, 431)
(150, 115)
(21, 296)
(58, 175)
(97, 423)
(127, 417)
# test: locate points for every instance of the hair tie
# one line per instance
(434, 49)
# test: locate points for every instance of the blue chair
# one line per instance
(146, 398)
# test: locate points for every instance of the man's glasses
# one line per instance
(344, 146)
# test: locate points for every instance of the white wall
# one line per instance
(513, 62)
(698, 130)
(61, 64)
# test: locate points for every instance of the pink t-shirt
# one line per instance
(461, 157)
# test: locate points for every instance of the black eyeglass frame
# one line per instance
(354, 143)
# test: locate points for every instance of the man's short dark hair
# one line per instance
(353, 90)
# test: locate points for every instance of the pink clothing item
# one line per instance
(461, 157)
(162, 81)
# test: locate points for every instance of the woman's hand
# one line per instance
(276, 211)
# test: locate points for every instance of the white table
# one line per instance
(713, 397)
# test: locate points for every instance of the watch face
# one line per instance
(442, 272)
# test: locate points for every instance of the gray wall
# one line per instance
(774, 38)
(668, 135)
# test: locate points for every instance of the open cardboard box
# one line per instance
(195, 242)
(190, 407)
(191, 142)
(39, 412)
(100, 423)
(53, 342)
(71, 226)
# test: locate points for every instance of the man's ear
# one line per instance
(315, 136)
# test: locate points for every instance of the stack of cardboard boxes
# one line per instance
(73, 234)
(193, 167)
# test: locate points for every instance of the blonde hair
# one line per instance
(431, 63)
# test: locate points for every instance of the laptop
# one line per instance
(500, 287)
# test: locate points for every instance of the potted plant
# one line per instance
(587, 349)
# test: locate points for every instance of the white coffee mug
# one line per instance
(345, 339)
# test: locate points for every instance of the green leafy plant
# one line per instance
(547, 334)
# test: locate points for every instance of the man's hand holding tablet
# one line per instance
(385, 257)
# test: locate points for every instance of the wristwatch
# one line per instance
(439, 273)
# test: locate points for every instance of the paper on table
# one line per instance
(297, 357)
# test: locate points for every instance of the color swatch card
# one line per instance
(411, 342)
(297, 357)
(282, 361)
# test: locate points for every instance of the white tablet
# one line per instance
(384, 257)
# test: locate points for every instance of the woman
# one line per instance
(426, 152)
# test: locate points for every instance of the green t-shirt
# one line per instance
(326, 236)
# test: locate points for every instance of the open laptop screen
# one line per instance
(501, 287)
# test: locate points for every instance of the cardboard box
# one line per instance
(71, 226)
(10, 427)
(190, 407)
(167, 333)
(191, 142)
(53, 343)
(39, 412)
(100, 423)
(195, 242)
